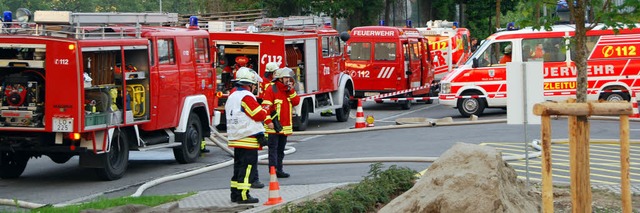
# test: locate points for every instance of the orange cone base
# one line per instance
(273, 201)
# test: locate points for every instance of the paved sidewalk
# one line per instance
(290, 194)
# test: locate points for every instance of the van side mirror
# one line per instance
(474, 63)
(408, 72)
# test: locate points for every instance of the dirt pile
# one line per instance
(467, 178)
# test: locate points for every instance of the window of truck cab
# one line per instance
(384, 51)
(360, 51)
(166, 51)
(494, 54)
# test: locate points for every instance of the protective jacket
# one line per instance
(279, 101)
(244, 119)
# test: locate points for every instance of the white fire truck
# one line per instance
(449, 45)
(612, 67)
(304, 44)
(99, 85)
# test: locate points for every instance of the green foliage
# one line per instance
(377, 188)
(104, 203)
(481, 16)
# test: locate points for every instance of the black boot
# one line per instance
(282, 174)
(257, 185)
(248, 200)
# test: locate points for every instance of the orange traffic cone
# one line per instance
(634, 103)
(360, 116)
(274, 189)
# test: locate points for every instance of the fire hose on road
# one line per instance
(289, 150)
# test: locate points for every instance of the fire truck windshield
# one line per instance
(478, 52)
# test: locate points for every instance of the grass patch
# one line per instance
(377, 189)
(105, 203)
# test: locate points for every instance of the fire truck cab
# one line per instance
(387, 60)
(612, 67)
(304, 44)
(99, 85)
(450, 45)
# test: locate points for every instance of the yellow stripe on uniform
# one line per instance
(248, 109)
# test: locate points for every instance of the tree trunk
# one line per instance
(497, 14)
(580, 180)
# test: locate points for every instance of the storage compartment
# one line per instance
(95, 119)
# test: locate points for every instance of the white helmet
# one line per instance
(246, 76)
(271, 67)
(283, 73)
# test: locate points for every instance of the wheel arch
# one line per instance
(345, 83)
(197, 104)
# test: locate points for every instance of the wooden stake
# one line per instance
(547, 178)
(579, 162)
(624, 164)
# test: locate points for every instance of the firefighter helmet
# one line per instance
(271, 67)
(246, 76)
(283, 73)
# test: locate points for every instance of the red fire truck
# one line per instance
(304, 44)
(450, 45)
(391, 62)
(612, 67)
(99, 85)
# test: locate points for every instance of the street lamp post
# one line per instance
(160, 5)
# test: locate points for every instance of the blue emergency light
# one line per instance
(7, 16)
(193, 22)
(381, 23)
(408, 22)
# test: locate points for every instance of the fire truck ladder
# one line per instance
(80, 22)
(270, 24)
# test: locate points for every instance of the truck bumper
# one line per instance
(449, 100)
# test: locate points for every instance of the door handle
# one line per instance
(162, 77)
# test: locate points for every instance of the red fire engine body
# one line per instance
(390, 62)
(612, 67)
(312, 50)
(450, 45)
(69, 87)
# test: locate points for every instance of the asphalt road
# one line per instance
(47, 182)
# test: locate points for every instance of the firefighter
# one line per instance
(279, 100)
(270, 69)
(507, 55)
(245, 133)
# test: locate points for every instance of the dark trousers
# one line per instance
(243, 166)
(276, 150)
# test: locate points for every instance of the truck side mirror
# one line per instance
(474, 63)
(344, 36)
(408, 72)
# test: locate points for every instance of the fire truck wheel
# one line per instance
(116, 160)
(12, 164)
(302, 121)
(60, 158)
(471, 106)
(342, 114)
(615, 96)
(405, 105)
(189, 151)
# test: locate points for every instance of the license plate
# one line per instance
(368, 94)
(63, 124)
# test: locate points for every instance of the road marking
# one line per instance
(409, 112)
(604, 162)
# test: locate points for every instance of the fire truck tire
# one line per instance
(60, 158)
(189, 151)
(405, 105)
(302, 121)
(615, 96)
(342, 114)
(12, 164)
(117, 159)
(471, 106)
